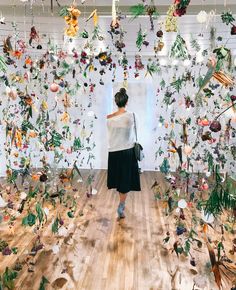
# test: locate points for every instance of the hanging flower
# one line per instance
(203, 122)
(71, 17)
(171, 20)
(215, 126)
(188, 150)
(179, 49)
(202, 16)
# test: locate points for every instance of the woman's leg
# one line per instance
(121, 207)
(123, 197)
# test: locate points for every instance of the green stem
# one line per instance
(234, 103)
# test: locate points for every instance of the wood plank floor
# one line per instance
(100, 253)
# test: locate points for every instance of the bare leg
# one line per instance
(122, 197)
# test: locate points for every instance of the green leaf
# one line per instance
(220, 247)
(137, 10)
(55, 226)
(162, 84)
(29, 220)
(187, 247)
(195, 45)
(227, 17)
(3, 65)
(152, 68)
(33, 192)
(43, 283)
(64, 11)
(40, 213)
(179, 49)
(8, 278)
(70, 214)
(177, 85)
(165, 166)
(140, 38)
(77, 144)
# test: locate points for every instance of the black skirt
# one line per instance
(123, 171)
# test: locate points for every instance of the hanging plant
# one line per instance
(215, 125)
(7, 279)
(44, 281)
(152, 68)
(70, 14)
(77, 144)
(227, 17)
(33, 35)
(54, 141)
(180, 7)
(144, 8)
(93, 16)
(177, 84)
(29, 220)
(137, 10)
(179, 49)
(3, 65)
(165, 166)
(55, 225)
(223, 55)
(221, 197)
(171, 20)
(195, 45)
(140, 38)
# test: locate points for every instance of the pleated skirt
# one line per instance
(123, 171)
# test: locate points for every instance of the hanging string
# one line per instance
(25, 23)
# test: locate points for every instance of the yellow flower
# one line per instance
(44, 105)
(65, 117)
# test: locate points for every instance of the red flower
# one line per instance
(179, 12)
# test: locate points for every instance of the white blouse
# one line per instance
(121, 134)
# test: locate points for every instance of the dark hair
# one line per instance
(121, 98)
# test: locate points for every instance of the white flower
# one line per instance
(55, 249)
(177, 210)
(94, 191)
(23, 195)
(202, 16)
(2, 202)
(46, 211)
(62, 231)
(182, 203)
(208, 217)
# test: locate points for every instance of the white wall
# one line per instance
(144, 97)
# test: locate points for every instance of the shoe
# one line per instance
(120, 210)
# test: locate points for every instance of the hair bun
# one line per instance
(123, 91)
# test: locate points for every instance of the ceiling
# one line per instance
(109, 2)
(104, 6)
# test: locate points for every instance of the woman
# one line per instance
(123, 172)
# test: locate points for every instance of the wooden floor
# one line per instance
(97, 252)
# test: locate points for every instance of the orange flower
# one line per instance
(29, 101)
(17, 54)
(28, 60)
(205, 228)
(18, 139)
(35, 177)
(6, 217)
(33, 134)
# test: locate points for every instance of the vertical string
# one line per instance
(25, 22)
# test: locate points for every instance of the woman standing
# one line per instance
(123, 171)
